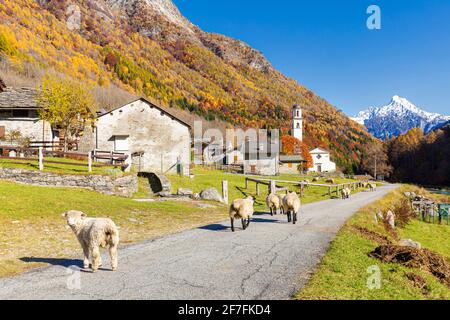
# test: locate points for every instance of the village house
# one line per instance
(153, 139)
(261, 159)
(290, 164)
(322, 161)
(19, 112)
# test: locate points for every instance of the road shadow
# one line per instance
(221, 228)
(54, 261)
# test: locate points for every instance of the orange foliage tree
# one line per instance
(293, 146)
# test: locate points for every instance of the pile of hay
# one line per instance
(423, 259)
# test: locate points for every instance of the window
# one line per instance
(20, 114)
(290, 165)
(121, 143)
(298, 125)
(298, 113)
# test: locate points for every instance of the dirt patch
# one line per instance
(372, 235)
(423, 259)
(418, 282)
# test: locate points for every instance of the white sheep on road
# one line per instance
(242, 209)
(291, 206)
(93, 234)
(274, 203)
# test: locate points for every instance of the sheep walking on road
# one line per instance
(372, 186)
(345, 193)
(274, 203)
(93, 234)
(291, 206)
(242, 209)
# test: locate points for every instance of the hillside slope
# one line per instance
(147, 47)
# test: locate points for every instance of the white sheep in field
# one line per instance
(274, 203)
(345, 193)
(93, 234)
(372, 186)
(291, 206)
(242, 209)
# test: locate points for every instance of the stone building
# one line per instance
(19, 111)
(154, 140)
(322, 161)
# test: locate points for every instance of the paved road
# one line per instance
(271, 260)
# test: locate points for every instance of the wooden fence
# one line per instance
(39, 155)
(275, 187)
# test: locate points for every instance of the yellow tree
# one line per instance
(66, 104)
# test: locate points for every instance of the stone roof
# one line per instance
(291, 158)
(18, 98)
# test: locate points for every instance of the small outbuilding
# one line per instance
(322, 161)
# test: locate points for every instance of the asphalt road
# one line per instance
(270, 260)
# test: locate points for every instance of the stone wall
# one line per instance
(124, 186)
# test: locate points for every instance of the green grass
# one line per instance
(206, 178)
(343, 272)
(31, 222)
(55, 168)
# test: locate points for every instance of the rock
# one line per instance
(195, 196)
(164, 194)
(390, 217)
(211, 194)
(379, 215)
(410, 243)
(184, 192)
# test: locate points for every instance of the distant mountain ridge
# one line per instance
(398, 117)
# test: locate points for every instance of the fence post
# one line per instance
(273, 187)
(225, 191)
(90, 161)
(41, 159)
(246, 183)
(257, 189)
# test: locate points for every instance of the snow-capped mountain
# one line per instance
(397, 118)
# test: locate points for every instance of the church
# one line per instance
(321, 157)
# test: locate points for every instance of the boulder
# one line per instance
(390, 217)
(211, 194)
(184, 192)
(195, 196)
(410, 243)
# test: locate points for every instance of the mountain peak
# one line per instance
(398, 117)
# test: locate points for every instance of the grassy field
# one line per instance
(82, 168)
(205, 178)
(31, 224)
(343, 272)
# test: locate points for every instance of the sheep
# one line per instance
(93, 233)
(345, 193)
(273, 202)
(291, 205)
(365, 184)
(329, 181)
(315, 179)
(372, 186)
(242, 209)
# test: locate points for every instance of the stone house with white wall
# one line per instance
(154, 139)
(322, 161)
(19, 111)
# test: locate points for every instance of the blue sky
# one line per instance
(326, 46)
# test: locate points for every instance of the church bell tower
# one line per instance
(297, 122)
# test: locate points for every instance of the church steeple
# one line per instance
(297, 122)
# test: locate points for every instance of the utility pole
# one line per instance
(375, 167)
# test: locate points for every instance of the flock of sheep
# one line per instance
(96, 233)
